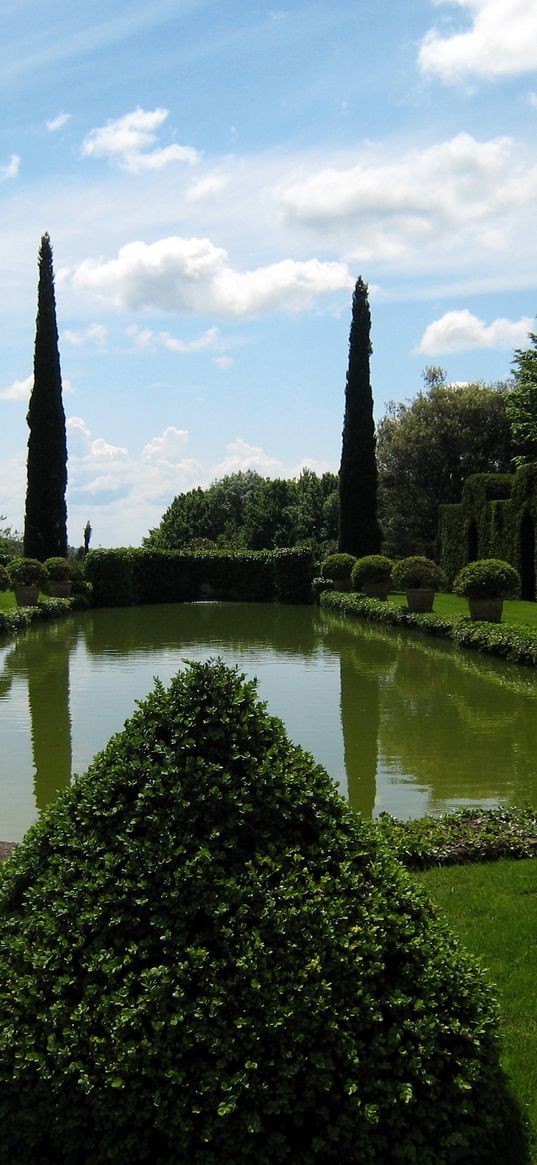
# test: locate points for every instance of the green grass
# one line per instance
(515, 611)
(492, 907)
(7, 600)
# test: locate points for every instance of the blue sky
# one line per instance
(214, 177)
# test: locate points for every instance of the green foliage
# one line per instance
(487, 578)
(511, 643)
(372, 568)
(208, 957)
(5, 581)
(359, 531)
(482, 525)
(45, 525)
(468, 835)
(245, 510)
(338, 566)
(415, 572)
(58, 569)
(26, 572)
(521, 403)
(427, 448)
(125, 577)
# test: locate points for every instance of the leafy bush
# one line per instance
(58, 569)
(209, 958)
(4, 579)
(487, 578)
(372, 568)
(467, 835)
(338, 566)
(26, 572)
(515, 644)
(416, 572)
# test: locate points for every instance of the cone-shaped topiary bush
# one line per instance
(206, 958)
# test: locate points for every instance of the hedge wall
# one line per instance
(124, 577)
(497, 518)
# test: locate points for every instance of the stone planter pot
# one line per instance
(376, 590)
(420, 599)
(488, 610)
(27, 596)
(59, 588)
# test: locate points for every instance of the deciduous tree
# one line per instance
(426, 449)
(521, 403)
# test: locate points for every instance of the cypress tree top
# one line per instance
(359, 532)
(45, 528)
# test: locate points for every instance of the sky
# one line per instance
(214, 178)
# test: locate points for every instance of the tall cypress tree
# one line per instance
(359, 531)
(45, 525)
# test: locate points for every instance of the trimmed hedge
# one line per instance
(16, 619)
(513, 644)
(127, 577)
(206, 957)
(467, 835)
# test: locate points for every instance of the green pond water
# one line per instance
(403, 723)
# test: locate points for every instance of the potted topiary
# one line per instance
(373, 575)
(486, 583)
(338, 568)
(27, 577)
(59, 577)
(419, 577)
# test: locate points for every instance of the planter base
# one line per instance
(27, 596)
(377, 590)
(59, 589)
(420, 599)
(487, 610)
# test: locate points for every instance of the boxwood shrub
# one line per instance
(487, 578)
(206, 957)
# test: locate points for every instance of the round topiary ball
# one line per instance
(417, 572)
(487, 578)
(372, 568)
(208, 958)
(338, 566)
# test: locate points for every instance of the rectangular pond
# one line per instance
(402, 722)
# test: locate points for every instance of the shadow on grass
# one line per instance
(511, 1142)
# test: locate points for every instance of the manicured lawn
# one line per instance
(451, 607)
(492, 907)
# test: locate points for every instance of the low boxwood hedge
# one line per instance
(206, 957)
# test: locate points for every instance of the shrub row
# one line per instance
(208, 957)
(127, 577)
(467, 835)
(15, 619)
(513, 644)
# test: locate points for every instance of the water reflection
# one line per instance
(403, 723)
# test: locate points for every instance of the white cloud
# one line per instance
(169, 447)
(19, 390)
(240, 456)
(145, 338)
(459, 331)
(207, 187)
(223, 361)
(126, 142)
(453, 201)
(501, 41)
(58, 122)
(11, 169)
(192, 275)
(93, 334)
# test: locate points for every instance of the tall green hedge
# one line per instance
(480, 526)
(125, 577)
(206, 957)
